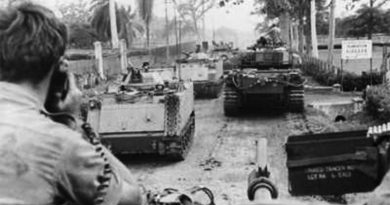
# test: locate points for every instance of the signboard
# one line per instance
(356, 49)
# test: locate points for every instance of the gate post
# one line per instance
(99, 59)
(123, 55)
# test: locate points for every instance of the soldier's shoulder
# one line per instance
(61, 132)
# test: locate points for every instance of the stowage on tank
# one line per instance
(149, 115)
(265, 76)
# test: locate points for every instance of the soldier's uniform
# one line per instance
(37, 152)
(274, 35)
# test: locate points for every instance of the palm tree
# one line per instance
(145, 8)
(128, 27)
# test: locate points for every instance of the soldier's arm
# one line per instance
(89, 174)
(381, 195)
(130, 191)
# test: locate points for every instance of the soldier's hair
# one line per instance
(32, 41)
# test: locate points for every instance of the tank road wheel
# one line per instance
(296, 100)
(185, 143)
(231, 101)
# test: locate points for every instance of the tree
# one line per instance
(82, 36)
(100, 19)
(313, 27)
(322, 22)
(361, 23)
(276, 9)
(193, 11)
(386, 17)
(291, 13)
(113, 23)
(301, 13)
(332, 27)
(186, 28)
(104, 19)
(128, 27)
(74, 12)
(145, 8)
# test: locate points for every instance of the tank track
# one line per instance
(180, 152)
(296, 102)
(208, 90)
(231, 101)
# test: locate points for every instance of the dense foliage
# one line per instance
(82, 36)
(378, 102)
(328, 77)
(359, 24)
(128, 27)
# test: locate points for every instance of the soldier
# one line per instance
(274, 35)
(44, 158)
(145, 67)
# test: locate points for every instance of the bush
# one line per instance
(351, 81)
(82, 36)
(378, 102)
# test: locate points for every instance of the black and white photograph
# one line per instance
(194, 102)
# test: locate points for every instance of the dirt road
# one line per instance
(222, 155)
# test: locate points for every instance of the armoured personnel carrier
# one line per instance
(205, 72)
(264, 78)
(222, 50)
(147, 116)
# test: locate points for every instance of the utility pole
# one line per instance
(213, 27)
(371, 20)
(313, 28)
(167, 29)
(370, 33)
(114, 29)
(179, 37)
(176, 34)
(331, 32)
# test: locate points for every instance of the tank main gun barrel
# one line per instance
(261, 162)
(261, 153)
(260, 187)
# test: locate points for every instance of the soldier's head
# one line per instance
(32, 42)
(145, 66)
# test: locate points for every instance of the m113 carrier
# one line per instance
(146, 117)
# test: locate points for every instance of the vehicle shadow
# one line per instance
(260, 113)
(146, 160)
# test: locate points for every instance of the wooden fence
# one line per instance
(328, 75)
(311, 64)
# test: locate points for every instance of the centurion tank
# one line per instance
(151, 115)
(264, 77)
